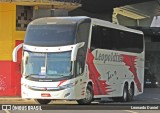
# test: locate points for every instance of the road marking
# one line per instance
(6, 111)
(156, 98)
(153, 98)
(130, 111)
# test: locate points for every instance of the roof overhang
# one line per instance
(47, 3)
(106, 5)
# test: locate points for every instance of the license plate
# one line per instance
(148, 82)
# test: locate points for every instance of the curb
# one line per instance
(11, 99)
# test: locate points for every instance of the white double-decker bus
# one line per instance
(82, 59)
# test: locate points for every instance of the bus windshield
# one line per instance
(50, 35)
(47, 65)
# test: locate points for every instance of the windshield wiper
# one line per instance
(26, 76)
(54, 75)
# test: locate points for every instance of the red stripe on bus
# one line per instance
(61, 82)
(131, 62)
(100, 86)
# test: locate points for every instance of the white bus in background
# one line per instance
(80, 58)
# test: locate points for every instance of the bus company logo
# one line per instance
(21, 107)
(45, 89)
(112, 57)
(6, 107)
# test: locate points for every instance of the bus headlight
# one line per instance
(25, 85)
(67, 86)
(36, 88)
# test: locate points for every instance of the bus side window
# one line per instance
(80, 62)
(106, 38)
(93, 38)
(101, 38)
(96, 38)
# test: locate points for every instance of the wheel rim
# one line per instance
(131, 92)
(88, 95)
(125, 95)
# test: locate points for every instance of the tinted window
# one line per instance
(113, 39)
(128, 41)
(82, 36)
(50, 35)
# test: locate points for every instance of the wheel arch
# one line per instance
(90, 83)
(126, 83)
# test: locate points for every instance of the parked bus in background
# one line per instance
(80, 58)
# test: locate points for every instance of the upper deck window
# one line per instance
(50, 35)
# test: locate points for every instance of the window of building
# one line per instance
(24, 15)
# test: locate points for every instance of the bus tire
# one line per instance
(88, 96)
(130, 93)
(43, 101)
(125, 94)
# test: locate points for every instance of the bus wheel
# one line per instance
(43, 101)
(130, 93)
(125, 94)
(88, 96)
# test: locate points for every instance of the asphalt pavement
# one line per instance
(151, 96)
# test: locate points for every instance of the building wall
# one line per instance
(9, 77)
(145, 22)
(153, 58)
(125, 21)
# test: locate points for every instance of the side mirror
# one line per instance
(15, 51)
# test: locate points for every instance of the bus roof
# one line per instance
(60, 20)
(79, 19)
(114, 26)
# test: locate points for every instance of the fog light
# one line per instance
(24, 93)
(67, 94)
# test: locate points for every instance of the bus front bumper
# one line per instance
(65, 94)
